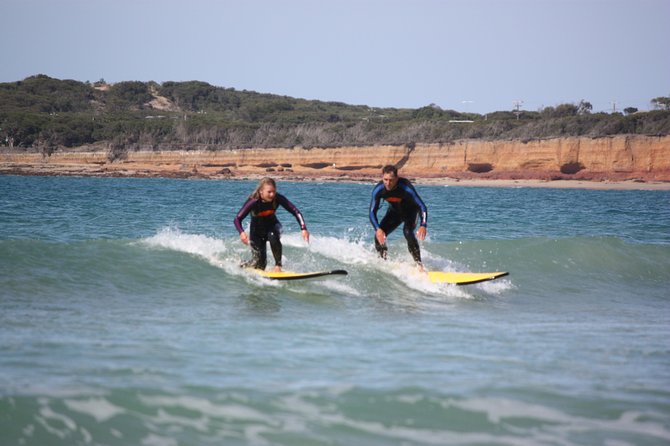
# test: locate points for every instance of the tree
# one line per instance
(560, 111)
(584, 107)
(427, 112)
(630, 110)
(661, 102)
(129, 94)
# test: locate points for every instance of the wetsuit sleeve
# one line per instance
(243, 212)
(374, 205)
(419, 202)
(286, 204)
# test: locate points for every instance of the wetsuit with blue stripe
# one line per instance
(265, 227)
(405, 206)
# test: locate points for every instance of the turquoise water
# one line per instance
(125, 320)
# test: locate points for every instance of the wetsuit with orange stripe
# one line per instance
(405, 206)
(265, 227)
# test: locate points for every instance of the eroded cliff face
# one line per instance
(616, 158)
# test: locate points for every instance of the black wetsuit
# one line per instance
(265, 227)
(404, 207)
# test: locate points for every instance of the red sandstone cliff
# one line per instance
(629, 157)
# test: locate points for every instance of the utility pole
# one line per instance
(517, 107)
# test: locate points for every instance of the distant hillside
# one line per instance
(47, 114)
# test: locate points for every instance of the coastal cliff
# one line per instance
(617, 158)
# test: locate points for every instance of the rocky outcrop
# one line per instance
(632, 157)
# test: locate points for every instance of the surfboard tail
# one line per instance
(288, 275)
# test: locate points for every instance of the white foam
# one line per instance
(342, 250)
(498, 409)
(315, 255)
(358, 252)
(200, 423)
(98, 408)
(47, 414)
(201, 245)
(496, 287)
(217, 252)
(309, 412)
(207, 407)
(158, 440)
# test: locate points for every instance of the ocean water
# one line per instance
(125, 319)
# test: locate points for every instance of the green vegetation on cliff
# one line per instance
(46, 114)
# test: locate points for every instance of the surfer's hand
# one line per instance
(305, 235)
(421, 233)
(381, 236)
(244, 237)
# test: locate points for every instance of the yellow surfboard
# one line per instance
(288, 275)
(462, 278)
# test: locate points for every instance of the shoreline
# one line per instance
(428, 181)
(553, 184)
(629, 162)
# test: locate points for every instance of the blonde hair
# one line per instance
(256, 194)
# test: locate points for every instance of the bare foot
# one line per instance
(276, 269)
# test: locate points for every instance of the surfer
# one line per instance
(265, 227)
(405, 206)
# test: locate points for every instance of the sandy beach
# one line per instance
(557, 184)
(432, 181)
(41, 170)
(508, 183)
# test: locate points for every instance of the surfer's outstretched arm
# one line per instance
(293, 209)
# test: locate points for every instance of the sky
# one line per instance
(475, 56)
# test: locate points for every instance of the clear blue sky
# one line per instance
(467, 55)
